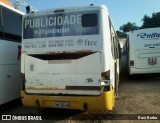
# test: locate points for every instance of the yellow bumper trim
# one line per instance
(103, 102)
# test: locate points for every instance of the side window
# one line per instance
(10, 24)
(114, 42)
(89, 20)
(113, 46)
(1, 28)
(116, 48)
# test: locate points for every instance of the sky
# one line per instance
(120, 11)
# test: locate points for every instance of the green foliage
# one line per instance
(148, 22)
(128, 27)
(121, 34)
(151, 22)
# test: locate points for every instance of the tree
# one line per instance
(121, 34)
(151, 22)
(128, 27)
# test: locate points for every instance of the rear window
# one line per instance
(89, 20)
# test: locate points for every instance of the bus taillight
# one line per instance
(106, 74)
(19, 52)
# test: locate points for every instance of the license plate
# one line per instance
(152, 61)
(61, 104)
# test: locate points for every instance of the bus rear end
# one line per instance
(61, 61)
(144, 51)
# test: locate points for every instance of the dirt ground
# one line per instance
(139, 95)
(138, 102)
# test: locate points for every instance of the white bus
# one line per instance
(10, 39)
(144, 51)
(70, 59)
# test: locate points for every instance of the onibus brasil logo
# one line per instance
(153, 36)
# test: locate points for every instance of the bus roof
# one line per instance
(71, 8)
(11, 8)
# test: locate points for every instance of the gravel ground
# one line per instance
(139, 95)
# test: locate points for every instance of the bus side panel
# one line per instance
(106, 44)
(110, 48)
(10, 82)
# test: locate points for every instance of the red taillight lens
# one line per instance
(106, 74)
(19, 52)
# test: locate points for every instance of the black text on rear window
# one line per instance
(89, 20)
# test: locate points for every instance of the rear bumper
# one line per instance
(105, 101)
(143, 71)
